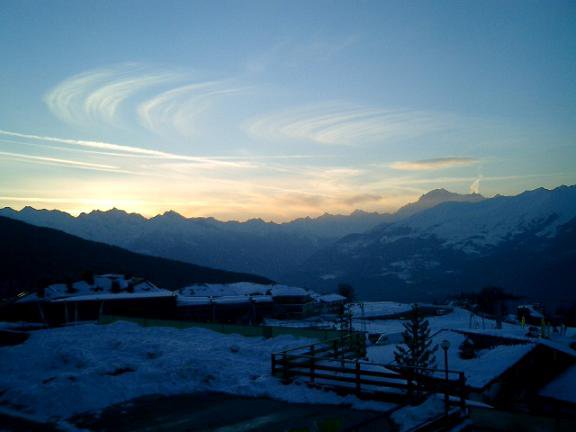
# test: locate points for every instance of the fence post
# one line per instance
(357, 378)
(285, 368)
(462, 384)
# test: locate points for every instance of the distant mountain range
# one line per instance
(443, 243)
(524, 243)
(30, 255)
(254, 246)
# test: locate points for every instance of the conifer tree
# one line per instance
(417, 350)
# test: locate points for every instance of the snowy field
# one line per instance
(61, 372)
(65, 371)
(378, 309)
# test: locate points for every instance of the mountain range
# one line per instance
(267, 248)
(524, 243)
(443, 243)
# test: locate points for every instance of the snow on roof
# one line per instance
(480, 371)
(378, 309)
(534, 313)
(115, 296)
(205, 300)
(563, 388)
(217, 290)
(558, 343)
(331, 298)
(102, 286)
(287, 291)
(246, 289)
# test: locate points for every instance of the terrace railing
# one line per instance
(337, 365)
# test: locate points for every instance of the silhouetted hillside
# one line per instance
(31, 255)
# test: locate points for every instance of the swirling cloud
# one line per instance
(177, 109)
(103, 95)
(97, 95)
(346, 124)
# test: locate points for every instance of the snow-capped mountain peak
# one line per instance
(487, 222)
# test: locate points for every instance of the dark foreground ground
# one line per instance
(216, 412)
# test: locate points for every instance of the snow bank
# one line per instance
(65, 371)
(411, 416)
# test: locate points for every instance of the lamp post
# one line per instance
(445, 345)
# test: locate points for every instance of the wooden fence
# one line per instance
(336, 364)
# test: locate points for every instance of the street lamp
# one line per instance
(445, 345)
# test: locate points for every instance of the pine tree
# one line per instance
(417, 350)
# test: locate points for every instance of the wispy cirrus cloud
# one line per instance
(120, 150)
(346, 124)
(59, 161)
(178, 109)
(289, 53)
(433, 164)
(162, 101)
(97, 95)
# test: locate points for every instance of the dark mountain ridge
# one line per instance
(31, 255)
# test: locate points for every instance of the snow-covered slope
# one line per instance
(432, 199)
(472, 226)
(523, 243)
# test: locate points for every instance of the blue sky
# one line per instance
(278, 109)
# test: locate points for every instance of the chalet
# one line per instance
(531, 314)
(293, 302)
(522, 368)
(331, 303)
(244, 302)
(225, 309)
(85, 300)
(114, 294)
(558, 396)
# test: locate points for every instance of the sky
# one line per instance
(282, 109)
